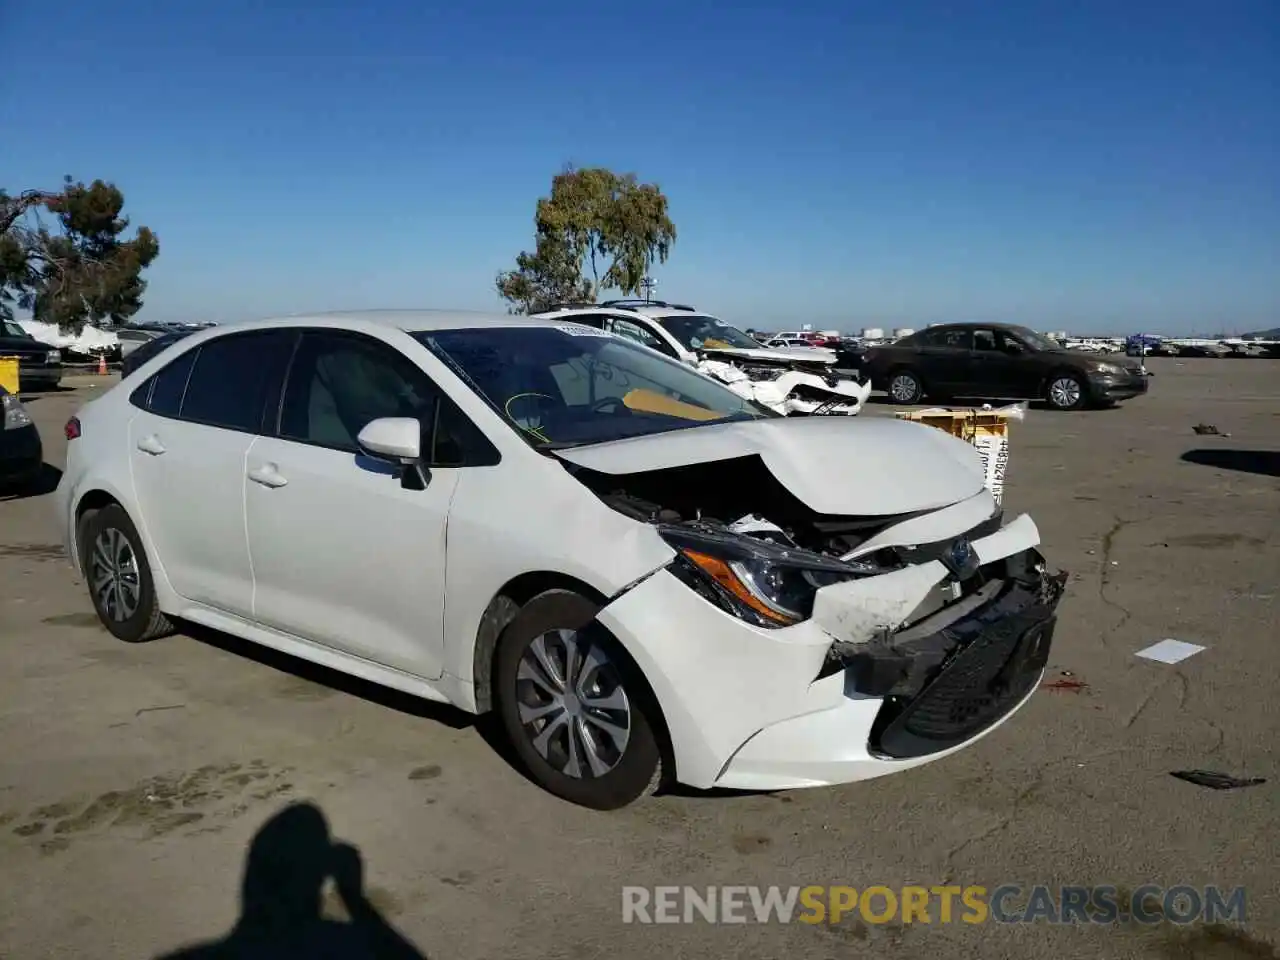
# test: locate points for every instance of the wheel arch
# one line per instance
(86, 505)
(502, 609)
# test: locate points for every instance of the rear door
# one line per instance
(187, 445)
(944, 359)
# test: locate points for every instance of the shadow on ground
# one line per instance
(1264, 462)
(487, 726)
(46, 481)
(291, 860)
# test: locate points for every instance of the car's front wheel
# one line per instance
(119, 577)
(574, 706)
(1066, 391)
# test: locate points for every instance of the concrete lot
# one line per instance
(132, 779)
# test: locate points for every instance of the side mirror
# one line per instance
(397, 440)
(1012, 347)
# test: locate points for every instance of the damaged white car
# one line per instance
(647, 576)
(788, 380)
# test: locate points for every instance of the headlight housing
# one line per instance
(15, 414)
(1111, 369)
(53, 356)
(765, 583)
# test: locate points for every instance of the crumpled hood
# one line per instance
(833, 465)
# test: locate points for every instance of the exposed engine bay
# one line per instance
(789, 386)
(726, 495)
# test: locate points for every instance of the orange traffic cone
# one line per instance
(102, 364)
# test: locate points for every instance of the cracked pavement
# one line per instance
(133, 778)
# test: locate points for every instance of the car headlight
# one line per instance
(765, 583)
(15, 414)
(1111, 369)
(53, 356)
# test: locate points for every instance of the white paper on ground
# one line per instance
(1170, 651)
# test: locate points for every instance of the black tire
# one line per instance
(1069, 397)
(146, 621)
(638, 769)
(905, 386)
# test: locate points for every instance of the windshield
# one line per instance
(12, 329)
(698, 331)
(1035, 341)
(570, 384)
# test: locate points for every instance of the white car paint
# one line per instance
(299, 548)
(822, 461)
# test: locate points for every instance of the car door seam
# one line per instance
(244, 515)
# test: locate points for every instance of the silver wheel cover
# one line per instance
(114, 580)
(1064, 392)
(572, 705)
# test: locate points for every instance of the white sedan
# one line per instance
(647, 575)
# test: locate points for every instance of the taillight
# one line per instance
(72, 429)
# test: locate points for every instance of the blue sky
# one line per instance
(1089, 166)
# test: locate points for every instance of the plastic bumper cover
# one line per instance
(756, 708)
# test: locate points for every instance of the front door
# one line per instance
(1000, 366)
(343, 554)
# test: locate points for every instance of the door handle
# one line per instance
(151, 445)
(268, 476)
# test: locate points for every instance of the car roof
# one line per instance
(972, 325)
(410, 321)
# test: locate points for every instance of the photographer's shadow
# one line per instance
(289, 862)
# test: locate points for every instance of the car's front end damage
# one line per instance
(789, 383)
(790, 646)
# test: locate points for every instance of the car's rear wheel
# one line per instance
(905, 386)
(1065, 391)
(574, 706)
(119, 577)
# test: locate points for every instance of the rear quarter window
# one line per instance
(162, 393)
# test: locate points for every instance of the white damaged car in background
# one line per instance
(647, 577)
(788, 380)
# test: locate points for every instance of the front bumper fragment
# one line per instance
(1109, 388)
(957, 672)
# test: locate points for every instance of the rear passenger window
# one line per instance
(168, 386)
(232, 378)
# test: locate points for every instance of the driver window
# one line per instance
(1009, 343)
(985, 340)
(338, 384)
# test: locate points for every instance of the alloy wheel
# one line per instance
(1064, 392)
(572, 705)
(113, 575)
(903, 388)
